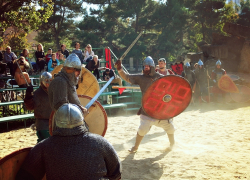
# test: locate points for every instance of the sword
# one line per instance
(131, 45)
(98, 94)
(129, 48)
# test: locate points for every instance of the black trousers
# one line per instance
(10, 65)
(96, 73)
(40, 65)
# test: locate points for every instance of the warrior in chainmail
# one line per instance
(63, 87)
(201, 78)
(144, 81)
(217, 73)
(39, 102)
(72, 152)
(188, 74)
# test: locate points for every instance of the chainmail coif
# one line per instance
(72, 154)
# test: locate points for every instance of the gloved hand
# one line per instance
(118, 65)
(214, 81)
(29, 92)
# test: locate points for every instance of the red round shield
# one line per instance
(167, 97)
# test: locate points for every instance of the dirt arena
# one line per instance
(212, 142)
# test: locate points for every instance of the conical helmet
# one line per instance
(218, 63)
(45, 78)
(68, 116)
(73, 61)
(187, 64)
(149, 61)
(200, 63)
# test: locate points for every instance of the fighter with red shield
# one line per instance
(163, 98)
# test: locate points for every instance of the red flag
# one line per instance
(177, 68)
(121, 90)
(108, 58)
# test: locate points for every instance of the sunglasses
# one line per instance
(88, 47)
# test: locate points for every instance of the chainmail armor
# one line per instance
(42, 110)
(62, 90)
(144, 81)
(72, 154)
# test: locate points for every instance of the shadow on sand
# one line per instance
(132, 168)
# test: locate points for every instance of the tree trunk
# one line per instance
(203, 31)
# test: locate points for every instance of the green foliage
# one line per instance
(61, 24)
(23, 14)
(171, 28)
(244, 16)
(16, 39)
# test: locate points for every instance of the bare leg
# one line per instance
(171, 140)
(137, 143)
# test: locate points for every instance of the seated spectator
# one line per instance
(109, 73)
(72, 152)
(25, 54)
(64, 51)
(78, 52)
(58, 53)
(53, 62)
(40, 58)
(48, 55)
(62, 58)
(88, 53)
(8, 58)
(93, 66)
(20, 72)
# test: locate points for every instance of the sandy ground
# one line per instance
(212, 142)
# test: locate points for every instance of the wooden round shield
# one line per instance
(87, 84)
(220, 98)
(167, 97)
(97, 118)
(11, 163)
(243, 95)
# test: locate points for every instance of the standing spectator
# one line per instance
(88, 53)
(162, 67)
(40, 58)
(53, 62)
(64, 51)
(78, 52)
(62, 58)
(109, 73)
(48, 55)
(8, 58)
(93, 66)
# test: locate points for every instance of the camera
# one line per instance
(54, 64)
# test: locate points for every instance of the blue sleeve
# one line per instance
(58, 62)
(49, 65)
